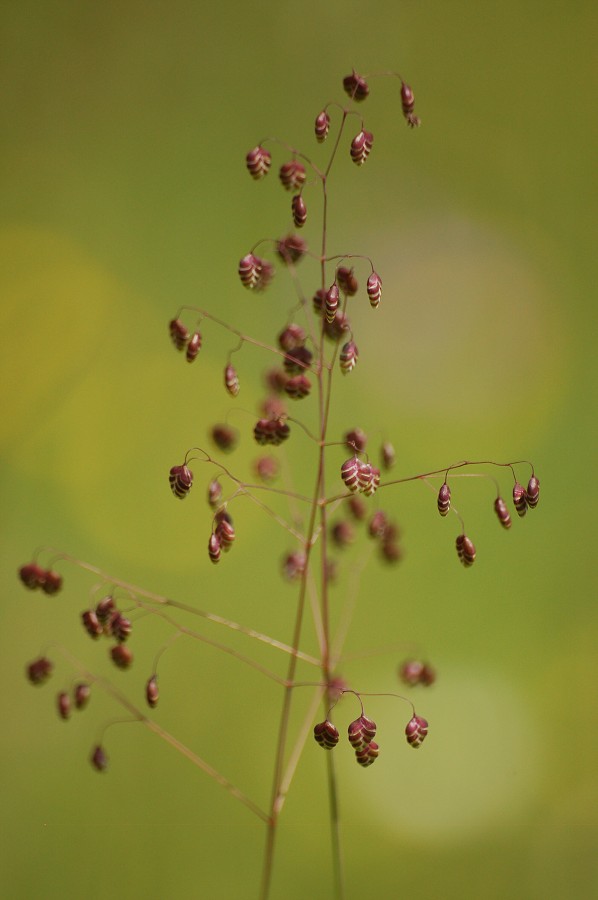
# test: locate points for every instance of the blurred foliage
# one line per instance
(124, 195)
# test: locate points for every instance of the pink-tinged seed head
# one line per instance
(298, 387)
(291, 338)
(348, 357)
(387, 455)
(194, 346)
(121, 656)
(105, 608)
(326, 735)
(293, 565)
(356, 439)
(231, 380)
(444, 499)
(347, 281)
(322, 126)
(39, 670)
(181, 481)
(120, 627)
(82, 694)
(214, 493)
(501, 510)
(258, 162)
(291, 248)
(350, 474)
(532, 492)
(91, 623)
(355, 86)
(179, 335)
(151, 692)
(331, 302)
(297, 360)
(342, 534)
(414, 672)
(367, 755)
(408, 103)
(519, 499)
(32, 575)
(361, 732)
(99, 759)
(416, 731)
(214, 548)
(374, 289)
(299, 211)
(51, 582)
(465, 550)
(63, 705)
(361, 146)
(225, 437)
(292, 175)
(249, 270)
(226, 534)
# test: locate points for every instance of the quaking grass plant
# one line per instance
(313, 346)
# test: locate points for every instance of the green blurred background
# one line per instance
(124, 194)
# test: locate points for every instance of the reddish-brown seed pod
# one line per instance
(326, 735)
(39, 670)
(414, 672)
(299, 211)
(178, 333)
(297, 361)
(91, 623)
(322, 126)
(408, 103)
(231, 380)
(378, 524)
(348, 357)
(356, 439)
(250, 267)
(214, 493)
(32, 575)
(373, 479)
(361, 146)
(181, 481)
(387, 455)
(105, 608)
(194, 346)
(374, 289)
(501, 510)
(342, 534)
(532, 492)
(291, 337)
(98, 759)
(120, 627)
(121, 656)
(291, 248)
(292, 175)
(339, 326)
(258, 162)
(293, 565)
(224, 437)
(331, 302)
(368, 754)
(519, 499)
(151, 692)
(298, 387)
(82, 694)
(51, 582)
(465, 550)
(347, 281)
(390, 551)
(63, 704)
(214, 548)
(319, 301)
(226, 534)
(271, 431)
(267, 469)
(416, 731)
(444, 499)
(356, 86)
(350, 471)
(361, 732)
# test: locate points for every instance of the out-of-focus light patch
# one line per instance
(56, 304)
(471, 324)
(478, 767)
